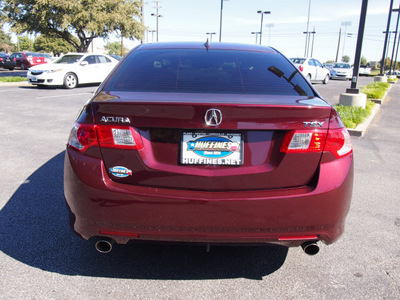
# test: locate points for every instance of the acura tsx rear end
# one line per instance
(208, 143)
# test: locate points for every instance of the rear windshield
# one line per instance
(213, 71)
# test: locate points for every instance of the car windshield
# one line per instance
(341, 66)
(298, 60)
(69, 59)
(213, 71)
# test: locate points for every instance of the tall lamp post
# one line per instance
(256, 33)
(157, 15)
(386, 39)
(210, 34)
(395, 36)
(220, 19)
(269, 26)
(262, 17)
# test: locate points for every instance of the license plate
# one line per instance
(199, 148)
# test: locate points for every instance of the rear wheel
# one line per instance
(70, 81)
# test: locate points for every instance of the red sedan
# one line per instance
(208, 143)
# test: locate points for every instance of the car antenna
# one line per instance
(207, 44)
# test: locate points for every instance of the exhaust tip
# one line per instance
(104, 246)
(310, 248)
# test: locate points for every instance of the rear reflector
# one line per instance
(84, 136)
(336, 141)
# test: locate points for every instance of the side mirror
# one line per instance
(84, 63)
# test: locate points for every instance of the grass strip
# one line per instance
(375, 90)
(12, 79)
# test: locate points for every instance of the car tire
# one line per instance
(70, 81)
(326, 79)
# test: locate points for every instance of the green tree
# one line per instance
(345, 58)
(53, 45)
(364, 61)
(85, 19)
(25, 43)
(115, 48)
(5, 42)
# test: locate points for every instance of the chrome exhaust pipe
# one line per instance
(104, 245)
(310, 248)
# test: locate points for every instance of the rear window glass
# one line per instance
(213, 71)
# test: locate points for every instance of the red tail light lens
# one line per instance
(336, 141)
(301, 68)
(84, 136)
(1, 59)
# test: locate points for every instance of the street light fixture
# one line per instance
(157, 15)
(256, 33)
(210, 34)
(262, 17)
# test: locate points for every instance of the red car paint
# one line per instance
(125, 177)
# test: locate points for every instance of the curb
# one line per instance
(361, 128)
(20, 83)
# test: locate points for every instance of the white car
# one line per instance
(73, 69)
(312, 69)
(364, 70)
(342, 71)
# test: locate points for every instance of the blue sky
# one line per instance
(189, 20)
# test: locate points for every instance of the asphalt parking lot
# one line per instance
(40, 258)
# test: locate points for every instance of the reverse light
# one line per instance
(84, 136)
(336, 141)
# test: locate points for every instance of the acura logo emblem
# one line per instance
(213, 117)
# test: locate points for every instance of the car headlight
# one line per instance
(53, 71)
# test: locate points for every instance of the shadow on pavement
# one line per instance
(34, 230)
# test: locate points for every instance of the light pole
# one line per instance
(386, 39)
(210, 34)
(220, 19)
(256, 33)
(262, 17)
(269, 26)
(308, 25)
(157, 15)
(395, 36)
(152, 35)
(345, 24)
(312, 46)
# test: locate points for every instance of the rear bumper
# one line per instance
(101, 207)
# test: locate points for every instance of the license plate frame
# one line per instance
(211, 148)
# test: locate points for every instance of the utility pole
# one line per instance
(345, 24)
(220, 21)
(312, 46)
(308, 25)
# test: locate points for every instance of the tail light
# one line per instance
(301, 68)
(1, 59)
(84, 136)
(336, 141)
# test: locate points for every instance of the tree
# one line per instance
(115, 48)
(5, 42)
(364, 61)
(25, 43)
(345, 58)
(53, 45)
(85, 19)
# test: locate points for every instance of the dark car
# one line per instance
(7, 62)
(211, 144)
(25, 60)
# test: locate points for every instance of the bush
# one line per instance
(375, 90)
(352, 116)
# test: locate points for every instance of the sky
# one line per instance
(190, 20)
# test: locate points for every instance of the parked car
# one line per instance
(329, 66)
(117, 57)
(312, 69)
(7, 62)
(49, 58)
(25, 60)
(208, 143)
(342, 71)
(364, 70)
(73, 69)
